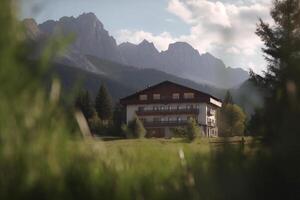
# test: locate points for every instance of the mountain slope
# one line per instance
(183, 60)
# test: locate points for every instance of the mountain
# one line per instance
(90, 36)
(183, 60)
(143, 55)
(117, 77)
(180, 59)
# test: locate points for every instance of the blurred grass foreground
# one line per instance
(44, 156)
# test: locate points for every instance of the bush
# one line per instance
(192, 130)
(232, 121)
(178, 132)
(96, 125)
(135, 129)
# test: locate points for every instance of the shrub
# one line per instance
(96, 125)
(192, 130)
(135, 129)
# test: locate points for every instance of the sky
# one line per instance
(224, 28)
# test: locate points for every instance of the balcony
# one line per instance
(167, 111)
(211, 112)
(165, 123)
(211, 123)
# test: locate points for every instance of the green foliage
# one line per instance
(232, 121)
(228, 98)
(84, 103)
(135, 129)
(192, 130)
(281, 81)
(103, 104)
(179, 132)
(96, 125)
(119, 116)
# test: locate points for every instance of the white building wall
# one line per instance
(130, 112)
(202, 117)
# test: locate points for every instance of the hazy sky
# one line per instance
(224, 28)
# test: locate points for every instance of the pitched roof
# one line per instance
(168, 82)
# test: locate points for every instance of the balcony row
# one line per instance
(165, 123)
(167, 111)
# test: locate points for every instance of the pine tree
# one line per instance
(118, 118)
(103, 104)
(281, 81)
(83, 102)
(228, 98)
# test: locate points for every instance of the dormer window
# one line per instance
(156, 96)
(188, 95)
(143, 97)
(175, 96)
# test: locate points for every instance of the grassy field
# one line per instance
(165, 168)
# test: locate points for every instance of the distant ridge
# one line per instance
(180, 59)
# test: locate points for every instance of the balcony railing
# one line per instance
(211, 112)
(164, 123)
(213, 124)
(167, 111)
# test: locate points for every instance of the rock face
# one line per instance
(143, 55)
(183, 60)
(90, 36)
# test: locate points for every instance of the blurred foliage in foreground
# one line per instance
(43, 157)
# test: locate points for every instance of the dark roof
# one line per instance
(168, 82)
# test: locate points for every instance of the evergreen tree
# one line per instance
(103, 104)
(118, 118)
(228, 98)
(281, 81)
(83, 102)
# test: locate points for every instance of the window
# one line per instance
(143, 97)
(175, 95)
(156, 96)
(188, 95)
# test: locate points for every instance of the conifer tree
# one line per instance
(83, 102)
(228, 98)
(281, 81)
(118, 118)
(103, 104)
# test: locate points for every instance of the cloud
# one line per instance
(179, 9)
(160, 41)
(226, 29)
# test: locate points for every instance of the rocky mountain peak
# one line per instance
(182, 47)
(149, 46)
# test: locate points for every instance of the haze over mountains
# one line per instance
(179, 59)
